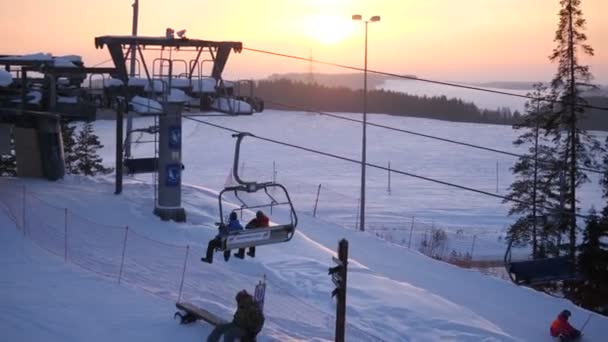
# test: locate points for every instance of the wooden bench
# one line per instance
(194, 313)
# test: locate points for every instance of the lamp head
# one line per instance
(357, 17)
(375, 18)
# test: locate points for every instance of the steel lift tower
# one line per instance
(169, 161)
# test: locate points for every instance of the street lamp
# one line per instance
(373, 19)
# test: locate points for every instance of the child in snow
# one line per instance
(259, 221)
(233, 226)
(561, 328)
(247, 322)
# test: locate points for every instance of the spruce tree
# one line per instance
(8, 163)
(592, 291)
(535, 188)
(88, 161)
(574, 146)
(69, 145)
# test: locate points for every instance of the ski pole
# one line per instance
(587, 321)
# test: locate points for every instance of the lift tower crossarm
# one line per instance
(116, 43)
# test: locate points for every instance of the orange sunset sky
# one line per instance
(467, 40)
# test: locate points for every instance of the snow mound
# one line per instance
(231, 105)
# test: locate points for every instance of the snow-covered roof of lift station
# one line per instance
(41, 58)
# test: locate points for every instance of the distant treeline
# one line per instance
(342, 99)
(348, 80)
(280, 92)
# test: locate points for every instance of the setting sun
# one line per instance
(328, 29)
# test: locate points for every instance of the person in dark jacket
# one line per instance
(259, 221)
(233, 226)
(561, 328)
(247, 322)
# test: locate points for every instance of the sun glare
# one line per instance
(329, 29)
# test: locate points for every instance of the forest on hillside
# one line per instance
(289, 94)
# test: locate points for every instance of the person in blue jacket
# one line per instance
(233, 226)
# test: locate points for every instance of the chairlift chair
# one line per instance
(255, 237)
(539, 271)
(141, 165)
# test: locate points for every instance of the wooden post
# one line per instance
(409, 244)
(119, 142)
(181, 285)
(124, 249)
(339, 278)
(65, 224)
(389, 176)
(497, 176)
(314, 211)
(473, 246)
(358, 212)
(23, 209)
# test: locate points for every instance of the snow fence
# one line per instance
(168, 271)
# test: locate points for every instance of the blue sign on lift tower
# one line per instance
(174, 175)
(175, 137)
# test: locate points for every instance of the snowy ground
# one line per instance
(412, 202)
(394, 294)
(60, 281)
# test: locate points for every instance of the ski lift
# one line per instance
(539, 271)
(262, 236)
(141, 165)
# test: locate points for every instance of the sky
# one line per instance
(472, 40)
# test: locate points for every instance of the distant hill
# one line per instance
(283, 93)
(289, 94)
(348, 80)
(513, 85)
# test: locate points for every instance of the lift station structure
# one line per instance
(165, 72)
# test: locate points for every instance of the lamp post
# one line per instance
(373, 19)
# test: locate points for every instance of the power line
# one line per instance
(335, 156)
(422, 134)
(414, 78)
(101, 63)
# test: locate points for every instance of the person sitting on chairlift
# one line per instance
(259, 221)
(233, 226)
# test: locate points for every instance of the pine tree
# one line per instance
(535, 188)
(8, 163)
(69, 145)
(592, 291)
(573, 145)
(88, 161)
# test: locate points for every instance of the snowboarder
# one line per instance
(247, 322)
(259, 221)
(233, 226)
(562, 329)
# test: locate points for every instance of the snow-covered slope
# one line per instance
(411, 203)
(394, 294)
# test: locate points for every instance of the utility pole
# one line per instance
(132, 74)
